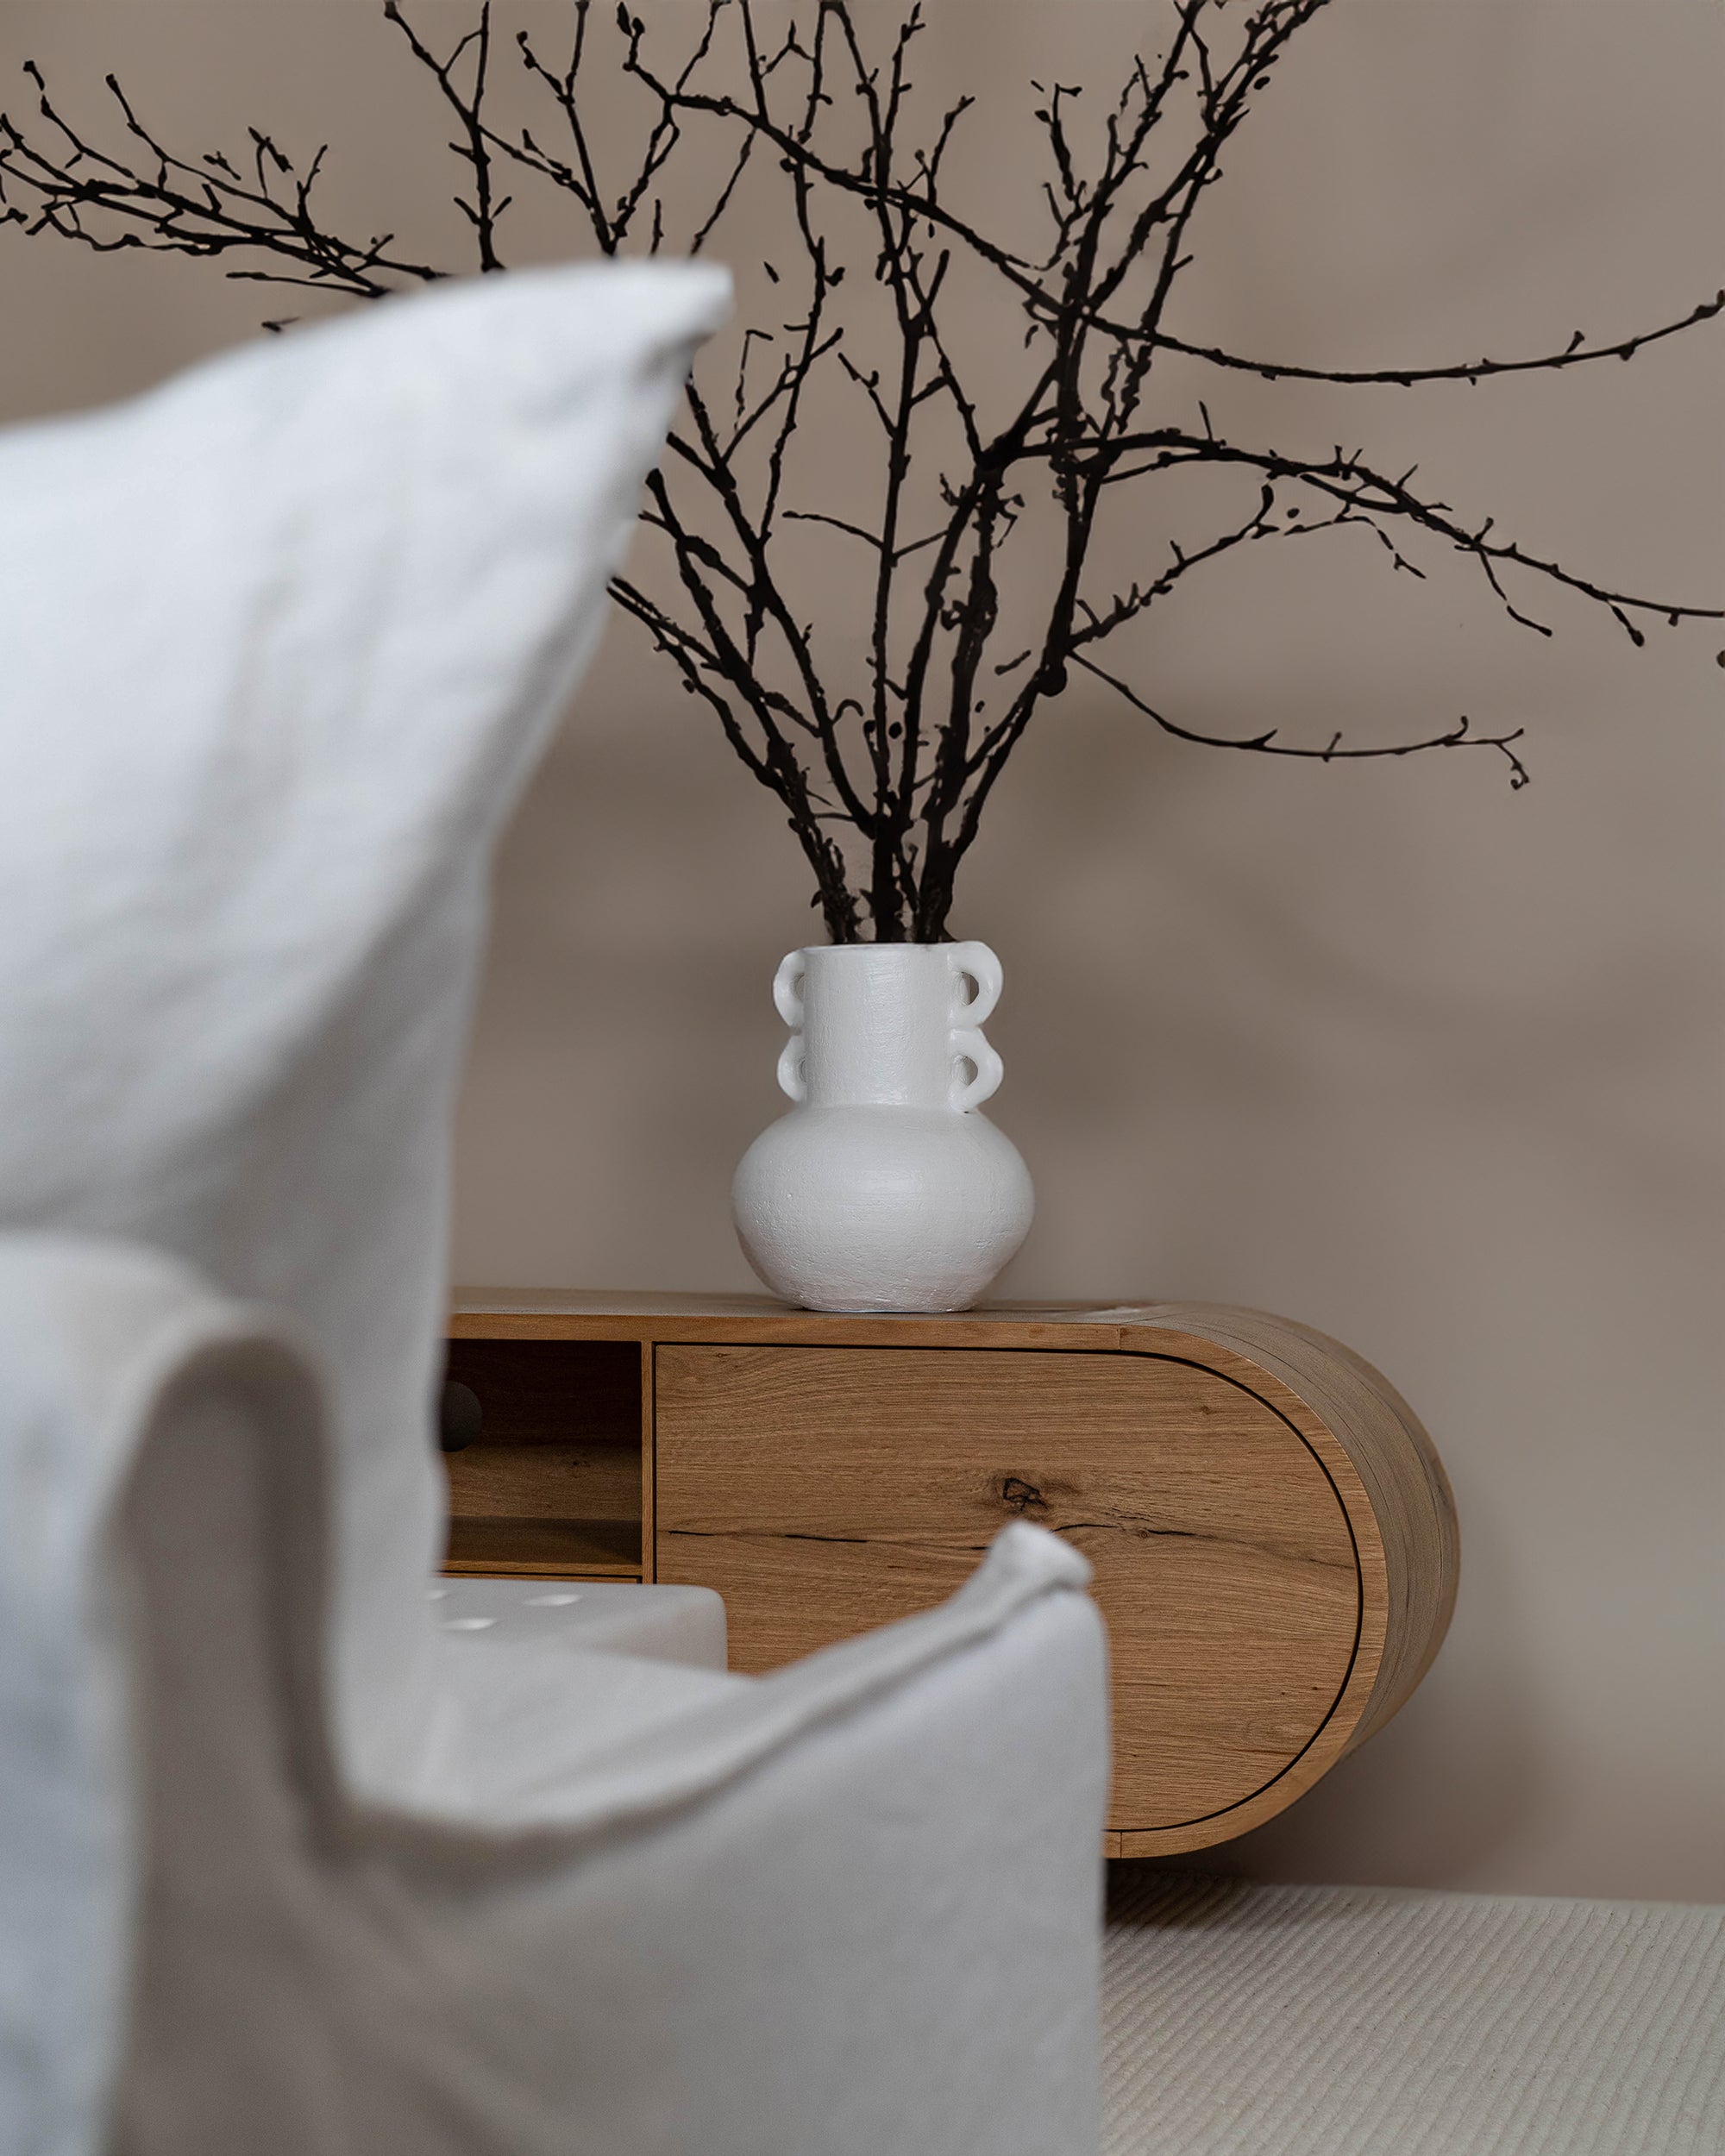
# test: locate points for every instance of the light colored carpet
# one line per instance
(1250, 2021)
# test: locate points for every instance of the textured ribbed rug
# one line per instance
(1251, 2021)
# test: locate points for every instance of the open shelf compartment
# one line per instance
(551, 1486)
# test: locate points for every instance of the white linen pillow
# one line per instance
(278, 644)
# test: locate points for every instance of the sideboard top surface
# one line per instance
(656, 1302)
(527, 1312)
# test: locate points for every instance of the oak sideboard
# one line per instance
(1273, 1536)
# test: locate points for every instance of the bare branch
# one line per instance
(883, 738)
(1577, 353)
(483, 210)
(1460, 736)
(174, 205)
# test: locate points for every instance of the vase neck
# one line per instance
(878, 1024)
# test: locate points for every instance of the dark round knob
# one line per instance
(460, 1417)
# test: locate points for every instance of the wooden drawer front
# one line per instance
(825, 1490)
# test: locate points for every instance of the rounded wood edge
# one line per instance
(1427, 1524)
(1412, 1506)
(1181, 1332)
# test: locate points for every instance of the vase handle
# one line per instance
(984, 968)
(969, 1047)
(787, 1001)
(792, 1080)
(788, 989)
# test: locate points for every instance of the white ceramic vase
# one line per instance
(885, 1187)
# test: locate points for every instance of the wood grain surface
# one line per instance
(545, 1549)
(822, 1490)
(1413, 1507)
(546, 1482)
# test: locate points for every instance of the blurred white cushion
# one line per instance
(661, 1624)
(282, 641)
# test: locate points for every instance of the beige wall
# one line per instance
(1430, 1065)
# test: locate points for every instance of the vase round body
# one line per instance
(885, 1187)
